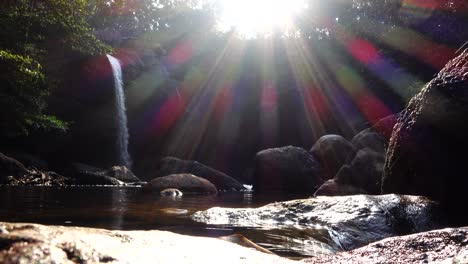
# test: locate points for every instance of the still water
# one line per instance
(131, 208)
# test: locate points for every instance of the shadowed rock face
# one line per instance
(440, 246)
(351, 221)
(427, 151)
(286, 170)
(332, 151)
(31, 243)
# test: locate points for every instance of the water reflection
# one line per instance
(130, 208)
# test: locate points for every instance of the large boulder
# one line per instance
(10, 167)
(285, 170)
(368, 138)
(427, 151)
(365, 171)
(187, 183)
(222, 181)
(332, 151)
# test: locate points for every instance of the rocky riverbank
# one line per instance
(33, 243)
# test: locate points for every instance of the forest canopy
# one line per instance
(40, 37)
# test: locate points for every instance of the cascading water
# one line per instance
(122, 130)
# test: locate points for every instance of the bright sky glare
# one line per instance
(251, 18)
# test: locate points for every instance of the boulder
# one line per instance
(332, 151)
(368, 138)
(186, 183)
(438, 246)
(333, 188)
(427, 150)
(122, 173)
(286, 170)
(10, 167)
(364, 172)
(170, 165)
(89, 175)
(344, 222)
(385, 126)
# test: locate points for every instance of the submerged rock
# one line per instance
(187, 183)
(332, 151)
(427, 151)
(351, 221)
(32, 243)
(286, 170)
(222, 181)
(439, 246)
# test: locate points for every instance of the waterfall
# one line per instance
(122, 130)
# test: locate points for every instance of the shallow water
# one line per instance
(130, 208)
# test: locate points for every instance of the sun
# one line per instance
(252, 18)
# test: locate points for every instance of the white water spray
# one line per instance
(122, 130)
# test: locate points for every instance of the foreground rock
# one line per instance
(30, 243)
(440, 246)
(350, 221)
(427, 151)
(286, 170)
(170, 165)
(186, 183)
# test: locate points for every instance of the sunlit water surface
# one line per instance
(130, 208)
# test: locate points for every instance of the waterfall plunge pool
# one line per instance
(130, 208)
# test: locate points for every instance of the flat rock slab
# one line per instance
(33, 243)
(440, 246)
(351, 221)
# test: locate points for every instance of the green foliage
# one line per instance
(22, 96)
(40, 27)
(37, 40)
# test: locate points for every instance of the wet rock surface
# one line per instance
(440, 246)
(288, 170)
(31, 243)
(170, 165)
(349, 221)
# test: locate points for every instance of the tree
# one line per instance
(37, 39)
